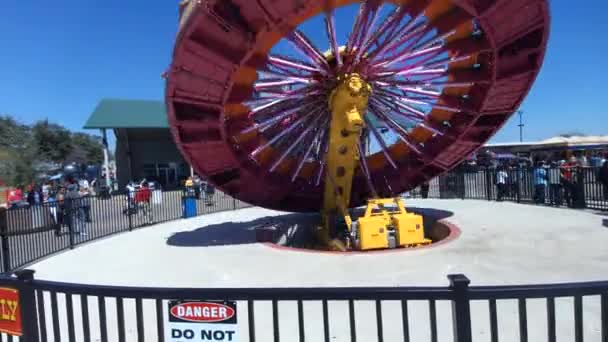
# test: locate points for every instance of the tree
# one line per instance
(53, 142)
(87, 149)
(13, 135)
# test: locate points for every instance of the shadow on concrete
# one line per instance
(288, 229)
(605, 223)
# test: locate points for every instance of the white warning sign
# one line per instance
(201, 320)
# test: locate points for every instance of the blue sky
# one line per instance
(60, 58)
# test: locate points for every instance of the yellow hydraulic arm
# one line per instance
(379, 228)
(348, 104)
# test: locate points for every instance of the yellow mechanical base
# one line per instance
(380, 227)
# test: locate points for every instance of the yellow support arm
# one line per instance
(348, 104)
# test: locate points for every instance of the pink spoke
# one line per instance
(365, 32)
(323, 148)
(431, 129)
(274, 119)
(354, 34)
(405, 56)
(302, 44)
(391, 23)
(287, 62)
(424, 72)
(283, 133)
(330, 26)
(407, 68)
(431, 93)
(411, 112)
(408, 32)
(363, 162)
(444, 61)
(435, 40)
(302, 135)
(276, 83)
(380, 141)
(314, 142)
(402, 133)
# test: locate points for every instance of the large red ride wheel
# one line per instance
(446, 75)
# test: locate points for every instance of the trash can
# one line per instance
(188, 204)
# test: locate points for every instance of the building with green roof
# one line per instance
(144, 145)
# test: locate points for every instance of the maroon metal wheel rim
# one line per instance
(251, 120)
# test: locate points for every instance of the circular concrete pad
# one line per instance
(500, 243)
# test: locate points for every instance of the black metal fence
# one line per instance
(53, 311)
(33, 232)
(582, 189)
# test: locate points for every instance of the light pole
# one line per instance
(521, 125)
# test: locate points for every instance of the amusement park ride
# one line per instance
(415, 88)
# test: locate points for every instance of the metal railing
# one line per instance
(54, 311)
(583, 190)
(33, 232)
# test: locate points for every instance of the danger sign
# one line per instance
(200, 320)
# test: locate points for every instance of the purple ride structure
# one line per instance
(247, 92)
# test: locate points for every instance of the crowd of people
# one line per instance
(560, 180)
(68, 201)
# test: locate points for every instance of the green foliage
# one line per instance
(23, 146)
(53, 142)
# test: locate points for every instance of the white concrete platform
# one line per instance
(500, 243)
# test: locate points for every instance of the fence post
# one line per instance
(233, 203)
(130, 209)
(69, 209)
(489, 183)
(27, 299)
(6, 255)
(461, 307)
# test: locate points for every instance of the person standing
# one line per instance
(567, 182)
(72, 208)
(555, 187)
(603, 179)
(540, 183)
(501, 183)
(424, 189)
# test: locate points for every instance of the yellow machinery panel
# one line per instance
(381, 228)
(410, 230)
(373, 232)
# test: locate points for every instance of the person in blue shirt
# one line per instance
(540, 183)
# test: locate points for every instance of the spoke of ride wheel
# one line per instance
(388, 27)
(370, 22)
(419, 91)
(302, 135)
(355, 32)
(265, 84)
(365, 168)
(402, 133)
(380, 141)
(409, 31)
(283, 133)
(444, 61)
(406, 55)
(290, 63)
(323, 148)
(313, 143)
(275, 118)
(390, 103)
(302, 44)
(330, 27)
(419, 65)
(433, 40)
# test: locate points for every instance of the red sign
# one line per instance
(10, 311)
(202, 312)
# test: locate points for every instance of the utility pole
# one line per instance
(521, 125)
